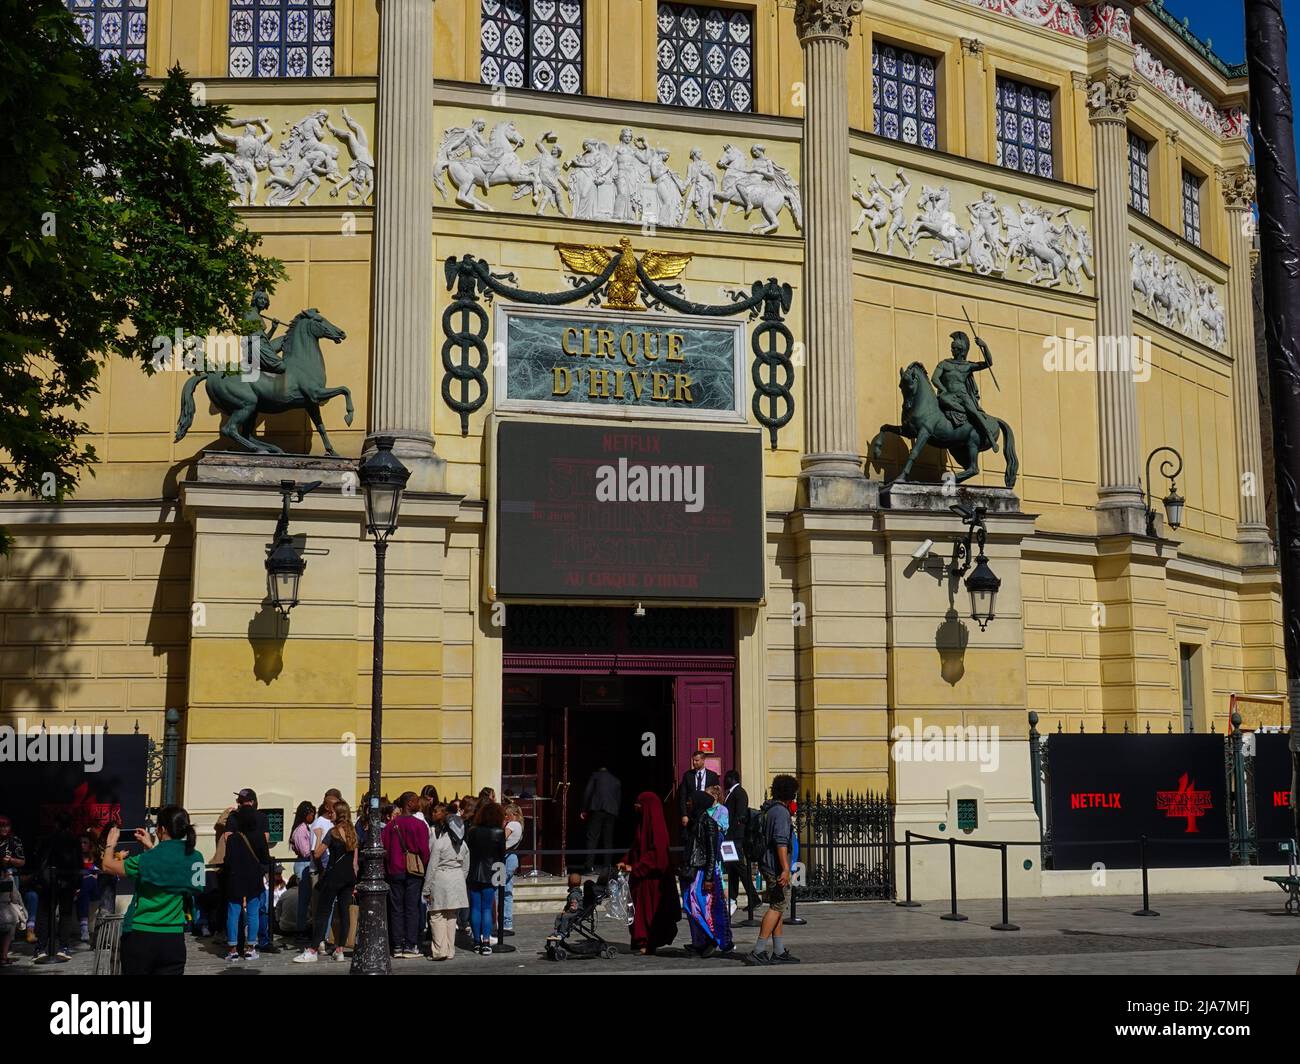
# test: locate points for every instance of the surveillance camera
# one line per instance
(923, 551)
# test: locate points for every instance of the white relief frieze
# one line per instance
(1231, 122)
(626, 179)
(1050, 244)
(295, 169)
(1167, 291)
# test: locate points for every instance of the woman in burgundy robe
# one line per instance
(656, 908)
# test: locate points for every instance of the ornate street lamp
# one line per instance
(983, 584)
(284, 565)
(1173, 502)
(383, 479)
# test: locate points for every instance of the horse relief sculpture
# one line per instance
(296, 168)
(990, 238)
(944, 410)
(1167, 291)
(629, 180)
(287, 373)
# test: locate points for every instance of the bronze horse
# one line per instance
(925, 422)
(300, 387)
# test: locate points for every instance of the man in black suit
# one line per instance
(737, 801)
(600, 805)
(696, 778)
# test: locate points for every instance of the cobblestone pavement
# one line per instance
(1194, 935)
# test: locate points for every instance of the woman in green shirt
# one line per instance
(167, 870)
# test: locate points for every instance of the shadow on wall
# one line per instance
(950, 640)
(39, 633)
(929, 468)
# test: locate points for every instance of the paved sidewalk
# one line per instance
(1194, 935)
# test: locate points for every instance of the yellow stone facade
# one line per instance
(142, 593)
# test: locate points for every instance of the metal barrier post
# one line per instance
(907, 847)
(952, 879)
(1006, 924)
(502, 946)
(1146, 909)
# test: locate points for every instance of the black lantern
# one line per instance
(284, 565)
(284, 569)
(1169, 468)
(383, 478)
(983, 586)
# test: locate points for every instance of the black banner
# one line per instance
(1273, 816)
(1109, 789)
(638, 513)
(95, 779)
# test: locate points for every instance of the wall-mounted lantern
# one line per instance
(284, 564)
(982, 584)
(1173, 502)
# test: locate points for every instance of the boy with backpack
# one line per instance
(774, 859)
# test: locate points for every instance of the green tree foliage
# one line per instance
(113, 232)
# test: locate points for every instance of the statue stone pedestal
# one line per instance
(267, 470)
(970, 685)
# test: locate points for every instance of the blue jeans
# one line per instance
(235, 916)
(264, 919)
(480, 911)
(508, 909)
(32, 903)
(302, 870)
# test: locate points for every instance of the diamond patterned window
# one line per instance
(1139, 173)
(116, 28)
(281, 38)
(532, 44)
(904, 103)
(1192, 207)
(706, 57)
(1024, 128)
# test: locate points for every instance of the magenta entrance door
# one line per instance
(705, 718)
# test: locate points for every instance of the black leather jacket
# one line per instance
(704, 850)
(487, 848)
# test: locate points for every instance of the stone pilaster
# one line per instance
(1120, 508)
(401, 380)
(977, 112)
(832, 476)
(1252, 529)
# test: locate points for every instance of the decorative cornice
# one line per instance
(1238, 186)
(1182, 30)
(1110, 97)
(1229, 122)
(825, 18)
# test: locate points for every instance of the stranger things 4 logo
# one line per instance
(1186, 802)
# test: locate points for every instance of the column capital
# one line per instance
(825, 18)
(1238, 186)
(972, 46)
(1110, 96)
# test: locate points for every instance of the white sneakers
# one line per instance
(307, 956)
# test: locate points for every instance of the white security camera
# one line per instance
(923, 551)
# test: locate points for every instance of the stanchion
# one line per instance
(502, 946)
(907, 847)
(952, 880)
(1006, 924)
(792, 919)
(1146, 909)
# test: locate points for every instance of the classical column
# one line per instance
(832, 476)
(1120, 506)
(1252, 529)
(401, 384)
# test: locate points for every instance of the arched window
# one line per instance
(115, 27)
(281, 38)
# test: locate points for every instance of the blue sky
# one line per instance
(1224, 22)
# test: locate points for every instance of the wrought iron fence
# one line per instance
(845, 847)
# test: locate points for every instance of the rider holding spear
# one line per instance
(956, 389)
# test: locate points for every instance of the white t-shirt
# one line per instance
(514, 832)
(324, 825)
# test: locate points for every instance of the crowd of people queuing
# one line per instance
(450, 868)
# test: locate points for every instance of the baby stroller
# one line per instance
(575, 932)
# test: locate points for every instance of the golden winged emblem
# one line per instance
(623, 284)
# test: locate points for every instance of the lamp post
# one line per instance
(1173, 502)
(983, 584)
(284, 565)
(383, 479)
